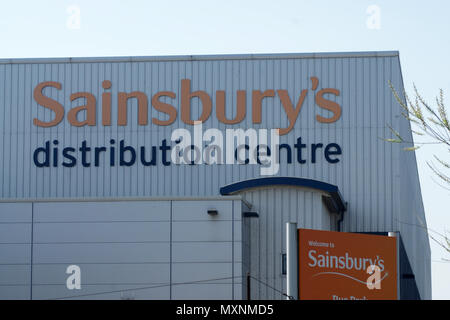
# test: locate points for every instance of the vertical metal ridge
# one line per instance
(232, 250)
(171, 252)
(32, 251)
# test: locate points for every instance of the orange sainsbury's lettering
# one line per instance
(291, 113)
(90, 109)
(186, 96)
(280, 98)
(46, 102)
(329, 105)
(164, 108)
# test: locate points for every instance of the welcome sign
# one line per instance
(346, 266)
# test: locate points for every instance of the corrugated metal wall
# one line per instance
(410, 219)
(276, 207)
(369, 174)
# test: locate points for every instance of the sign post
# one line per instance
(396, 235)
(291, 260)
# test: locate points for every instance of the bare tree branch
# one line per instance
(430, 121)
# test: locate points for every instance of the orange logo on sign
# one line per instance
(346, 266)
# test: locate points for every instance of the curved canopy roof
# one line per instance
(335, 202)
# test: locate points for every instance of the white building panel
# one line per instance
(137, 251)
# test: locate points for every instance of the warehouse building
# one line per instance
(174, 177)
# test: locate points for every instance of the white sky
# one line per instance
(418, 29)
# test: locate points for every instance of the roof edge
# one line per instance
(259, 56)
